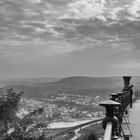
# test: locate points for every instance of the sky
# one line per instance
(59, 38)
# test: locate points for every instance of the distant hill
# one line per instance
(97, 82)
(90, 82)
(28, 81)
(39, 88)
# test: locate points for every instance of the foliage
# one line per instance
(8, 107)
(91, 136)
(29, 127)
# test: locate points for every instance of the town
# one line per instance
(64, 107)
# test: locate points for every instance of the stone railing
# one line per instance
(116, 107)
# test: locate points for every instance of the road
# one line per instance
(77, 134)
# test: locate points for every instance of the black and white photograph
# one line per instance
(69, 69)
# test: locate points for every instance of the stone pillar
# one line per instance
(128, 88)
(110, 116)
(126, 82)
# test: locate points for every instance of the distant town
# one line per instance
(64, 107)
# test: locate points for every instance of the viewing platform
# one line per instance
(134, 118)
(122, 120)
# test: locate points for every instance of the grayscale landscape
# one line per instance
(59, 59)
(66, 99)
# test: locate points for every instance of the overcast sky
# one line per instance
(58, 38)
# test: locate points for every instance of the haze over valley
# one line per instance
(66, 99)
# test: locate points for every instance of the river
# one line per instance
(69, 123)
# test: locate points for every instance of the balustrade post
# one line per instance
(111, 118)
(128, 88)
(126, 82)
(117, 110)
(123, 99)
(114, 97)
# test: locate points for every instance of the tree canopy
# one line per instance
(13, 128)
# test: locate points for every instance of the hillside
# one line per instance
(28, 81)
(71, 85)
(90, 82)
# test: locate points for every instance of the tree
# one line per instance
(14, 128)
(29, 126)
(8, 107)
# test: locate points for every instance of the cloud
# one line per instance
(86, 8)
(94, 23)
(35, 1)
(70, 33)
(134, 9)
(37, 48)
(131, 64)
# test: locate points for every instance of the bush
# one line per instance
(91, 136)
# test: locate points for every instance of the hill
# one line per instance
(28, 81)
(90, 82)
(38, 88)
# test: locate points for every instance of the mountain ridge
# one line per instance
(72, 85)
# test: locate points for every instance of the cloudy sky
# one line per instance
(57, 38)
